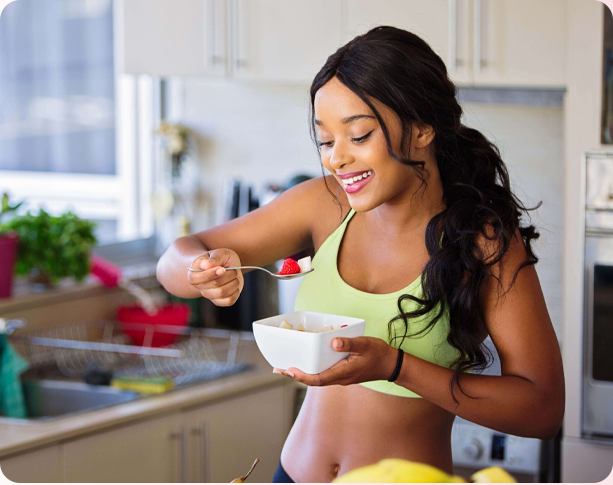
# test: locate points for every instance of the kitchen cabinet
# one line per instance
(226, 437)
(271, 40)
(212, 442)
(146, 451)
(513, 43)
(519, 43)
(39, 466)
(180, 38)
(443, 24)
(283, 40)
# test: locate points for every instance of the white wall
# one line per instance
(261, 134)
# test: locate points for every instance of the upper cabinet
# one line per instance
(270, 40)
(284, 40)
(441, 23)
(518, 43)
(171, 38)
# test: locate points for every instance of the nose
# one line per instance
(341, 156)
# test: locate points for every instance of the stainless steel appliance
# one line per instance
(476, 447)
(597, 405)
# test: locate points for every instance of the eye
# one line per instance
(362, 138)
(324, 143)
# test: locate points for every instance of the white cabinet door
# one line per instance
(172, 38)
(226, 437)
(39, 466)
(283, 40)
(147, 451)
(519, 43)
(443, 24)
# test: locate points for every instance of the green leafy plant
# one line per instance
(5, 210)
(58, 247)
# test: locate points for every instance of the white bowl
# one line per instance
(308, 351)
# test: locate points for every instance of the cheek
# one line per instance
(325, 158)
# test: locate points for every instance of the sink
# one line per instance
(48, 399)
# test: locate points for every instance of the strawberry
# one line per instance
(289, 267)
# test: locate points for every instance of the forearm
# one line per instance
(509, 404)
(172, 267)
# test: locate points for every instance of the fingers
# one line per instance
(337, 374)
(221, 295)
(355, 345)
(228, 301)
(207, 276)
(216, 257)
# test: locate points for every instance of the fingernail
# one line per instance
(339, 343)
(276, 371)
(290, 373)
(220, 271)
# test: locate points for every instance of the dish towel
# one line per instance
(12, 402)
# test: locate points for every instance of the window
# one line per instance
(74, 133)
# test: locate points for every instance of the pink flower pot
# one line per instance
(8, 255)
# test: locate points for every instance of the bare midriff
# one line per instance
(340, 428)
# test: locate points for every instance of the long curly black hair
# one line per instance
(401, 70)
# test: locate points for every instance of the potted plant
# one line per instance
(8, 248)
(52, 248)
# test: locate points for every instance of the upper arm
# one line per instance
(519, 325)
(277, 230)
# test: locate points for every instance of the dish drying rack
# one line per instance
(198, 354)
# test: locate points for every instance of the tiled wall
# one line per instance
(260, 133)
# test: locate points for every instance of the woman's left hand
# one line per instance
(370, 359)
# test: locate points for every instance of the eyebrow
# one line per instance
(348, 119)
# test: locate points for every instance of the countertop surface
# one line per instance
(15, 438)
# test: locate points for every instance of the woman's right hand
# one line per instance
(215, 283)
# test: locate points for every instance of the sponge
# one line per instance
(143, 384)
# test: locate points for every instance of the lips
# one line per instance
(356, 181)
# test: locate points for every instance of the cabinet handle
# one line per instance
(452, 57)
(453, 35)
(477, 41)
(202, 449)
(203, 455)
(212, 58)
(477, 36)
(238, 60)
(180, 435)
(210, 13)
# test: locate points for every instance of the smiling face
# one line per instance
(354, 150)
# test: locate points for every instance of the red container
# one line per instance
(8, 255)
(134, 321)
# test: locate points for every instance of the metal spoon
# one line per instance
(276, 275)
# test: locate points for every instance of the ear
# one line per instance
(422, 135)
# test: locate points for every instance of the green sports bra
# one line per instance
(325, 291)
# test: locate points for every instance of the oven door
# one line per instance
(598, 336)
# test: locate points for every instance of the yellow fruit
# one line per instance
(493, 474)
(394, 470)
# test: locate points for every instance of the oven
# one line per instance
(597, 403)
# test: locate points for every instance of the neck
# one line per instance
(414, 209)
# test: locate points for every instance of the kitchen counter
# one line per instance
(22, 437)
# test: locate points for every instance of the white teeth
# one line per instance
(357, 178)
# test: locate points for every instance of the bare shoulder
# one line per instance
(488, 249)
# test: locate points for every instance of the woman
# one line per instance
(416, 230)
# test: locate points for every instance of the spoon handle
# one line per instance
(248, 267)
(235, 267)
